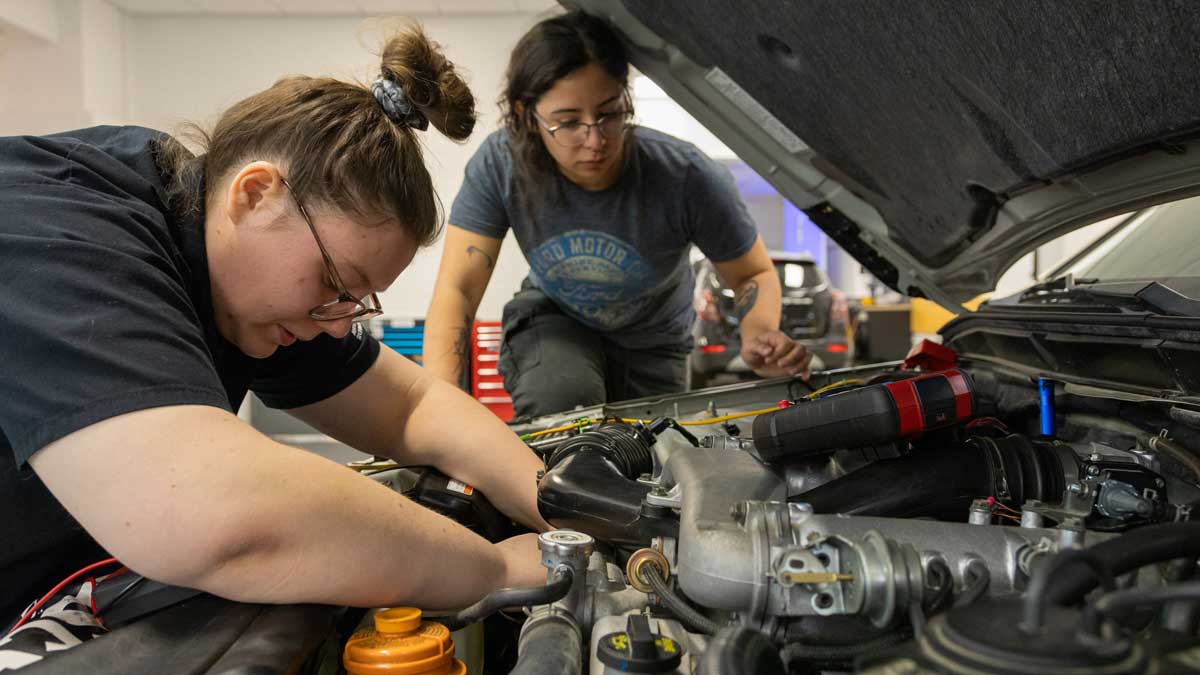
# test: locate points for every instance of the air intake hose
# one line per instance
(865, 417)
(626, 446)
(590, 485)
(942, 480)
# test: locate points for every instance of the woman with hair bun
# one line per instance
(605, 213)
(144, 291)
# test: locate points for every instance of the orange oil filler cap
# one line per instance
(402, 644)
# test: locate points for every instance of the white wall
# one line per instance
(656, 110)
(37, 18)
(62, 65)
(102, 56)
(190, 68)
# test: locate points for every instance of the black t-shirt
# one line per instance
(105, 308)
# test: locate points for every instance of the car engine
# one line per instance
(936, 516)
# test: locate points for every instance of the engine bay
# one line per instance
(948, 514)
(939, 515)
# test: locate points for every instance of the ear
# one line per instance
(256, 194)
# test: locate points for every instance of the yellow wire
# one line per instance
(734, 416)
(692, 423)
(577, 424)
(835, 385)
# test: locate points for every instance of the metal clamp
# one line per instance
(638, 562)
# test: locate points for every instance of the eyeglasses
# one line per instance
(575, 133)
(347, 305)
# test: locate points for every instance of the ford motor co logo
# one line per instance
(596, 276)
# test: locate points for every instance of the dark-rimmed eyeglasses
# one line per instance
(347, 305)
(575, 133)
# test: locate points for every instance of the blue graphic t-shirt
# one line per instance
(616, 259)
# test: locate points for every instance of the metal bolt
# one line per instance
(1075, 487)
(1070, 533)
(1031, 519)
(1158, 482)
(1093, 470)
(981, 512)
(658, 492)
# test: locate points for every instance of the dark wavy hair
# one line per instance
(338, 145)
(548, 52)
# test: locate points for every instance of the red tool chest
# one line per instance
(486, 384)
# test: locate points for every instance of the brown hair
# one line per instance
(551, 50)
(339, 147)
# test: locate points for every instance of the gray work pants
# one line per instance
(551, 363)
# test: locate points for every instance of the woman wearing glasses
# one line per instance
(605, 213)
(143, 291)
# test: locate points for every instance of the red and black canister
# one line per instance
(867, 416)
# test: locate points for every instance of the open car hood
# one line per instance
(938, 141)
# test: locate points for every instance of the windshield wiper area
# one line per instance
(1168, 301)
(1065, 285)
(1133, 295)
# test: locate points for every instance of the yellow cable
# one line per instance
(692, 423)
(577, 424)
(733, 416)
(835, 385)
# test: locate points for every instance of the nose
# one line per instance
(594, 139)
(336, 329)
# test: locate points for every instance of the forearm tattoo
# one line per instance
(486, 258)
(462, 353)
(746, 297)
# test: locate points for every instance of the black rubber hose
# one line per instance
(1128, 552)
(976, 585)
(941, 480)
(626, 446)
(738, 650)
(554, 590)
(683, 611)
(1176, 452)
(1181, 617)
(939, 592)
(1106, 605)
(798, 651)
(939, 595)
(939, 582)
(1185, 416)
(1034, 613)
(549, 646)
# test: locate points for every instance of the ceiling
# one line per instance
(329, 7)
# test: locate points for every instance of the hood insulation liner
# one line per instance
(934, 111)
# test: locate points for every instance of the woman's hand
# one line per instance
(774, 354)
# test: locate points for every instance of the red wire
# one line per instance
(993, 502)
(29, 613)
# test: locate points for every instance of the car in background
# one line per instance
(813, 313)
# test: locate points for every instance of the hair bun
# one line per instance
(427, 83)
